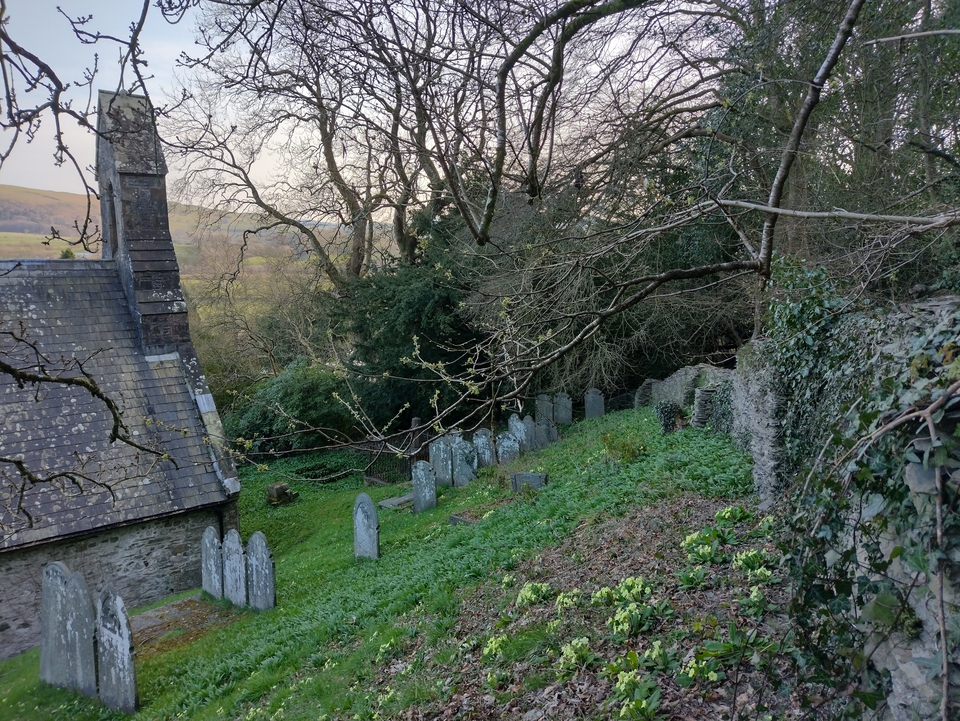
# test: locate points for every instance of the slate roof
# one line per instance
(77, 309)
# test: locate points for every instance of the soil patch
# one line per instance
(180, 622)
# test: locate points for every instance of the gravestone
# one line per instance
(534, 480)
(593, 403)
(261, 575)
(544, 407)
(53, 641)
(562, 409)
(508, 447)
(396, 501)
(644, 395)
(211, 563)
(530, 431)
(116, 670)
(441, 458)
(464, 462)
(279, 494)
(424, 487)
(542, 433)
(366, 528)
(552, 433)
(517, 428)
(483, 444)
(80, 624)
(234, 569)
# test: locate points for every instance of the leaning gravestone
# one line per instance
(542, 433)
(115, 657)
(483, 444)
(424, 487)
(530, 431)
(464, 462)
(508, 447)
(366, 528)
(261, 575)
(234, 569)
(516, 427)
(534, 480)
(593, 403)
(211, 563)
(562, 409)
(53, 640)
(441, 458)
(544, 407)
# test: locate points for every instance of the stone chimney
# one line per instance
(136, 234)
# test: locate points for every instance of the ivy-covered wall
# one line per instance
(851, 412)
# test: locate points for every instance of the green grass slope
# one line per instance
(339, 619)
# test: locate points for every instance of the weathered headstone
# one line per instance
(424, 487)
(644, 395)
(80, 622)
(366, 528)
(234, 569)
(534, 480)
(279, 494)
(544, 407)
(593, 403)
(530, 431)
(508, 447)
(261, 575)
(211, 563)
(464, 462)
(115, 658)
(542, 433)
(552, 433)
(441, 458)
(483, 444)
(562, 408)
(519, 431)
(53, 641)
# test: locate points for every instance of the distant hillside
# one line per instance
(28, 214)
(27, 210)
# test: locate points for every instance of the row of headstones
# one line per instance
(244, 579)
(559, 407)
(85, 649)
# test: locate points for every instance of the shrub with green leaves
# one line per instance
(297, 409)
(575, 656)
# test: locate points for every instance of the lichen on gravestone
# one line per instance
(508, 447)
(424, 487)
(234, 569)
(483, 444)
(211, 563)
(115, 655)
(366, 528)
(519, 431)
(464, 462)
(261, 574)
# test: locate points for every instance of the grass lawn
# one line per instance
(340, 621)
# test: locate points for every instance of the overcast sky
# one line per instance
(39, 28)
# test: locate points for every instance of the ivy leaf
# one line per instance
(882, 610)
